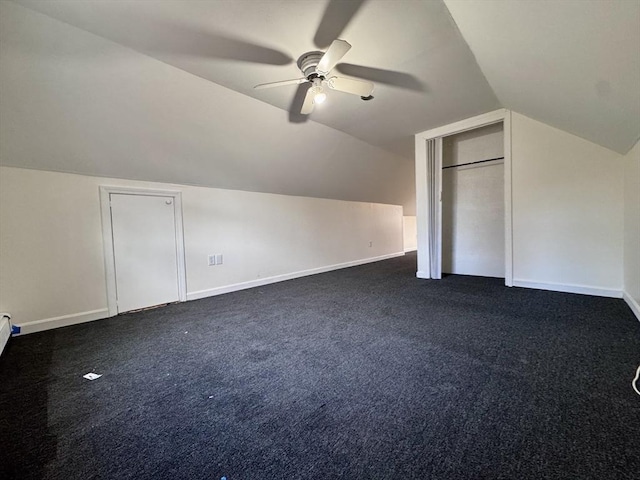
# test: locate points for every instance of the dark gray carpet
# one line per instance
(363, 373)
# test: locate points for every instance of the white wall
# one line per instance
(473, 203)
(482, 143)
(567, 207)
(51, 252)
(410, 234)
(632, 228)
(567, 211)
(75, 102)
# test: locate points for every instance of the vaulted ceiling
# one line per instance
(572, 64)
(434, 78)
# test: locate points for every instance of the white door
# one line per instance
(145, 250)
(434, 179)
(473, 220)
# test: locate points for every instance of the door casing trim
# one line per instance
(424, 187)
(107, 239)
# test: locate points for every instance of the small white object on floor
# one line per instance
(92, 376)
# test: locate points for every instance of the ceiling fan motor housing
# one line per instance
(308, 62)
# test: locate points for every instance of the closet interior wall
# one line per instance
(473, 211)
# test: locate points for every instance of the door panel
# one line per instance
(473, 220)
(434, 180)
(145, 250)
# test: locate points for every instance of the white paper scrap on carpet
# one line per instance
(92, 376)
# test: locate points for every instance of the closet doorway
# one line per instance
(473, 202)
(463, 194)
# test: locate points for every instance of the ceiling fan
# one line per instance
(315, 68)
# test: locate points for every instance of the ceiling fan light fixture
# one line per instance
(319, 97)
(318, 92)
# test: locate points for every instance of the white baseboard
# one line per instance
(5, 332)
(411, 249)
(287, 276)
(63, 321)
(559, 287)
(82, 317)
(633, 305)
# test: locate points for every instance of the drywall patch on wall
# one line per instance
(632, 228)
(52, 258)
(567, 208)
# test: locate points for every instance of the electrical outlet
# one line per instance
(219, 259)
(371, 244)
(212, 260)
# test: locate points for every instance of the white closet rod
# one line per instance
(473, 163)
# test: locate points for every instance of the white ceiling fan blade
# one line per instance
(350, 85)
(307, 106)
(297, 81)
(336, 51)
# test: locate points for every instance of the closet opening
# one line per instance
(463, 195)
(473, 212)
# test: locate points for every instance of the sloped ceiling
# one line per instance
(163, 90)
(440, 82)
(573, 64)
(75, 102)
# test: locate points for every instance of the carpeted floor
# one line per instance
(362, 373)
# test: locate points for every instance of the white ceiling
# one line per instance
(75, 102)
(573, 64)
(416, 39)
